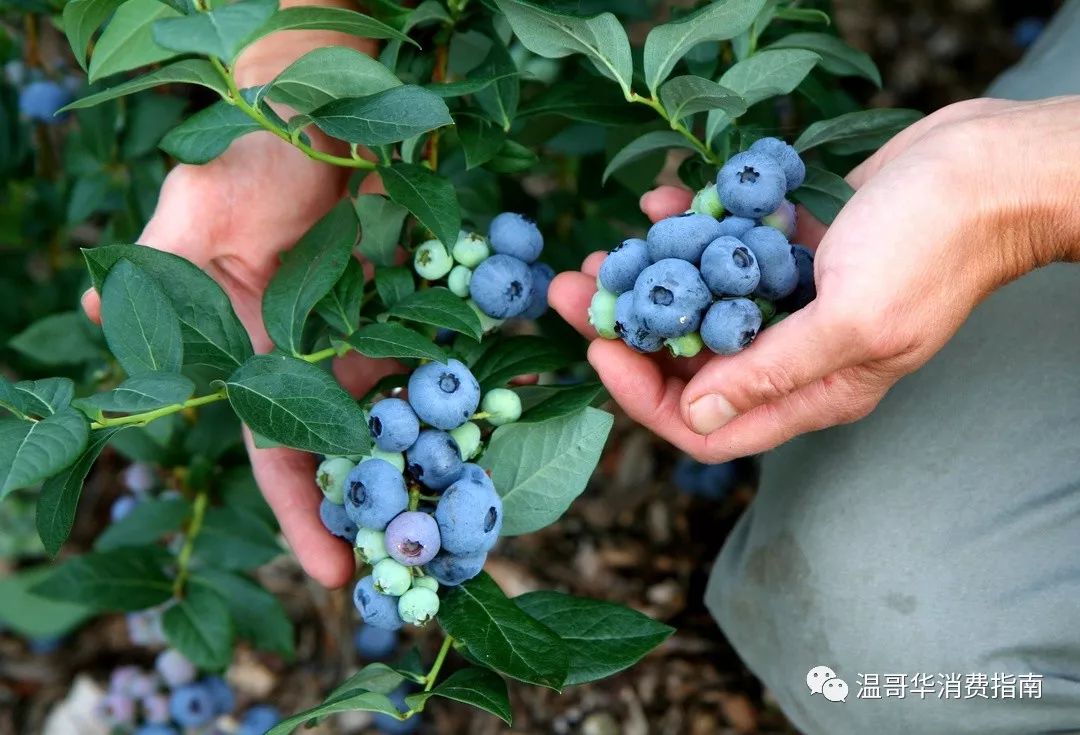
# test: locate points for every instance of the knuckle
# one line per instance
(767, 384)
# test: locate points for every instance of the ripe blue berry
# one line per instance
(376, 610)
(413, 538)
(432, 260)
(684, 236)
(729, 268)
(670, 297)
(387, 725)
(174, 668)
(709, 481)
(139, 478)
(779, 273)
(374, 494)
(434, 460)
(469, 515)
(787, 157)
(502, 405)
(542, 276)
(393, 424)
(157, 729)
(39, 101)
(444, 396)
(122, 507)
(221, 694)
(192, 705)
(516, 235)
(375, 644)
(331, 476)
(630, 327)
(623, 265)
(156, 708)
(418, 606)
(337, 521)
(259, 720)
(502, 286)
(451, 569)
(736, 226)
(806, 290)
(751, 184)
(730, 326)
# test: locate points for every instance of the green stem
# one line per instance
(202, 500)
(432, 675)
(326, 354)
(145, 418)
(676, 125)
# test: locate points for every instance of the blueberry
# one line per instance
(122, 507)
(376, 610)
(468, 439)
(432, 260)
(516, 235)
(336, 520)
(787, 157)
(221, 694)
(670, 297)
(502, 286)
(192, 705)
(730, 326)
(785, 218)
(471, 249)
(374, 494)
(174, 668)
(542, 276)
(458, 281)
(387, 725)
(623, 265)
(602, 313)
(393, 424)
(736, 226)
(779, 272)
(435, 459)
(391, 577)
(259, 720)
(331, 476)
(751, 184)
(688, 345)
(375, 644)
(684, 236)
(121, 678)
(155, 708)
(418, 606)
(502, 406)
(707, 201)
(451, 569)
(709, 481)
(631, 329)
(157, 729)
(144, 627)
(469, 515)
(806, 290)
(139, 478)
(444, 396)
(729, 268)
(371, 545)
(413, 538)
(397, 459)
(39, 101)
(426, 582)
(117, 709)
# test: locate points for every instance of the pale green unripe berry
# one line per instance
(487, 323)
(371, 545)
(418, 606)
(331, 477)
(502, 406)
(432, 261)
(459, 280)
(467, 437)
(687, 345)
(395, 458)
(767, 309)
(391, 578)
(707, 201)
(427, 582)
(471, 249)
(602, 314)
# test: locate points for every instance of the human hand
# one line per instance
(947, 211)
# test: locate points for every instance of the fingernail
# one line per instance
(710, 412)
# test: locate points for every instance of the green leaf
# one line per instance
(220, 32)
(60, 494)
(375, 677)
(646, 144)
(354, 701)
(81, 19)
(761, 76)
(149, 118)
(199, 626)
(499, 100)
(394, 284)
(141, 326)
(515, 356)
(382, 118)
(341, 307)
(837, 57)
(59, 339)
(31, 451)
(327, 74)
(856, 131)
(600, 38)
(314, 18)
(498, 634)
(124, 580)
(667, 44)
(33, 616)
(603, 638)
(430, 197)
(477, 83)
(296, 404)
(257, 615)
(439, 308)
(145, 524)
(564, 402)
(480, 139)
(207, 134)
(684, 96)
(481, 688)
(232, 539)
(823, 193)
(307, 273)
(144, 392)
(512, 158)
(127, 42)
(587, 103)
(187, 71)
(396, 341)
(37, 397)
(213, 335)
(539, 468)
(381, 221)
(803, 15)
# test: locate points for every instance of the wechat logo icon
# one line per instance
(823, 680)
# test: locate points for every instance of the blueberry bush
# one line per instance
(483, 120)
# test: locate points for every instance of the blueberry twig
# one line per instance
(676, 125)
(183, 561)
(432, 675)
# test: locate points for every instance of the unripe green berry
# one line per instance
(487, 323)
(331, 477)
(707, 201)
(418, 606)
(471, 249)
(502, 405)
(395, 458)
(777, 319)
(687, 345)
(767, 308)
(602, 314)
(427, 582)
(432, 261)
(458, 281)
(467, 437)
(391, 577)
(371, 545)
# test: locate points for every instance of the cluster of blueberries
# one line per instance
(173, 698)
(703, 279)
(418, 511)
(498, 275)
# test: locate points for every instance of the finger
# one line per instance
(570, 295)
(91, 304)
(358, 374)
(591, 264)
(287, 479)
(665, 201)
(808, 229)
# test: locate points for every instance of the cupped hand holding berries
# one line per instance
(952, 208)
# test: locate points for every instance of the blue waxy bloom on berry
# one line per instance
(375, 644)
(469, 515)
(502, 286)
(542, 276)
(393, 424)
(374, 494)
(418, 606)
(139, 477)
(779, 272)
(221, 694)
(631, 329)
(787, 157)
(623, 265)
(432, 260)
(729, 268)
(806, 290)
(376, 610)
(413, 538)
(39, 101)
(751, 184)
(684, 236)
(516, 235)
(122, 507)
(337, 521)
(451, 569)
(259, 720)
(670, 297)
(156, 708)
(435, 459)
(331, 476)
(174, 668)
(157, 729)
(444, 396)
(730, 326)
(192, 705)
(736, 226)
(709, 481)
